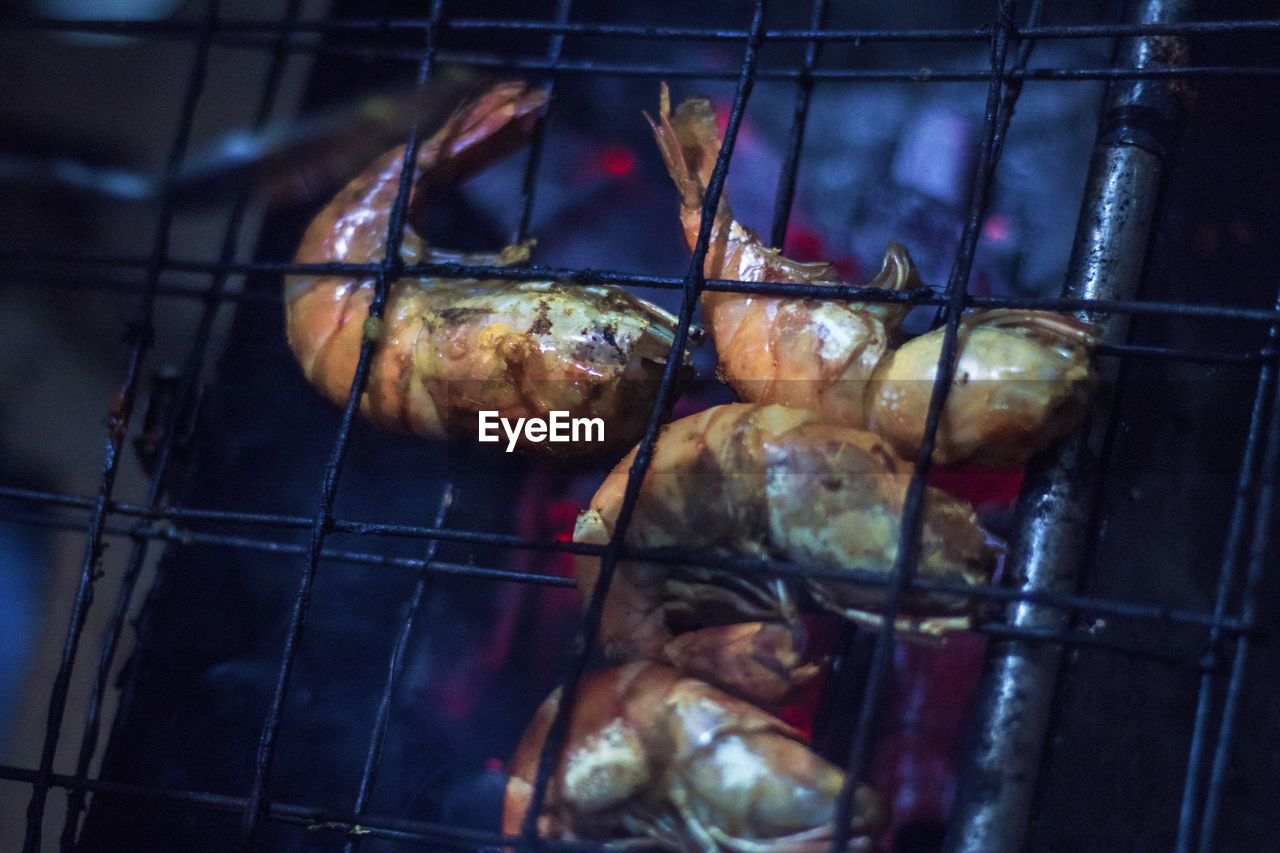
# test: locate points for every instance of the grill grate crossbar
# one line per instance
(1079, 605)
(190, 28)
(32, 267)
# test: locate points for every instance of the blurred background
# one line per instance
(882, 159)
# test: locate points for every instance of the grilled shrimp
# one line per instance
(1021, 382)
(448, 349)
(746, 480)
(654, 757)
(843, 359)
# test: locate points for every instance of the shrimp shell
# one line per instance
(772, 482)
(449, 349)
(1022, 381)
(654, 757)
(846, 360)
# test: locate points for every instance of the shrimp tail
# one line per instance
(353, 227)
(492, 126)
(689, 143)
(690, 140)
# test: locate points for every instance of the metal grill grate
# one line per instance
(264, 566)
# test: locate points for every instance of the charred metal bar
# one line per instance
(179, 27)
(395, 668)
(538, 138)
(315, 819)
(182, 393)
(258, 804)
(799, 117)
(910, 539)
(1081, 605)
(1227, 576)
(1052, 526)
(906, 75)
(558, 731)
(1259, 558)
(118, 422)
(17, 265)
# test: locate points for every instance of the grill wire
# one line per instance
(1222, 659)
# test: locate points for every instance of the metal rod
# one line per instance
(1081, 606)
(179, 27)
(800, 116)
(424, 835)
(538, 136)
(322, 525)
(1228, 572)
(30, 264)
(395, 669)
(1261, 558)
(584, 640)
(1053, 521)
(910, 541)
(118, 423)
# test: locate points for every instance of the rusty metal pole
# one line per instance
(1052, 526)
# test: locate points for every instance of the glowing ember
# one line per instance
(617, 160)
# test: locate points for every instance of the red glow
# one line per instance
(822, 632)
(618, 160)
(805, 245)
(997, 228)
(914, 765)
(979, 485)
